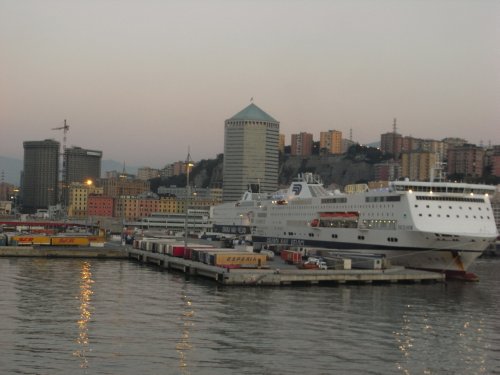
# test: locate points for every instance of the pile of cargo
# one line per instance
(352, 259)
(207, 254)
(291, 257)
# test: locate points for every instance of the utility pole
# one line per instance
(189, 164)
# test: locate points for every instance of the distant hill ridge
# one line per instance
(357, 165)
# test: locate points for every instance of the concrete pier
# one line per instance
(275, 275)
(63, 252)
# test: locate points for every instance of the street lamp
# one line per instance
(189, 164)
(88, 184)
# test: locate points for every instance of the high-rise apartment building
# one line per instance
(466, 160)
(251, 155)
(492, 160)
(179, 167)
(391, 143)
(40, 174)
(331, 141)
(301, 144)
(147, 173)
(281, 145)
(387, 171)
(419, 166)
(79, 166)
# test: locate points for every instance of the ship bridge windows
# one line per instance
(451, 199)
(386, 198)
(333, 200)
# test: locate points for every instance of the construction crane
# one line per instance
(65, 129)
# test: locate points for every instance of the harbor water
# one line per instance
(77, 316)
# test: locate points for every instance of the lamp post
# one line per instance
(88, 184)
(189, 164)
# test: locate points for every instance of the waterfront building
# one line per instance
(78, 194)
(171, 204)
(197, 222)
(301, 144)
(40, 175)
(80, 165)
(331, 141)
(251, 155)
(100, 206)
(133, 207)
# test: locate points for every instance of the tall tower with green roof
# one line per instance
(251, 155)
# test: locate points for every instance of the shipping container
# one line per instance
(69, 241)
(242, 259)
(30, 240)
(209, 256)
(176, 251)
(292, 257)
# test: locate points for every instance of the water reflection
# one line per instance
(431, 340)
(63, 316)
(405, 341)
(85, 314)
(183, 346)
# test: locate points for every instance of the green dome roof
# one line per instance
(252, 113)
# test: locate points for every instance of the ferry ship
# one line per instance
(438, 226)
(235, 218)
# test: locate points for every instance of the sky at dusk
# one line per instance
(144, 80)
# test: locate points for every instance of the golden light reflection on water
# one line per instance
(184, 345)
(85, 314)
(405, 341)
(418, 335)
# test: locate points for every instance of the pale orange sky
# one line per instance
(143, 80)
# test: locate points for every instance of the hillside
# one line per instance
(353, 167)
